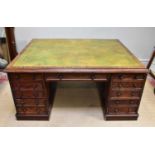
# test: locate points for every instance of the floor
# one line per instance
(77, 104)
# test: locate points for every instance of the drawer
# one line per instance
(26, 77)
(125, 93)
(31, 102)
(27, 85)
(31, 110)
(121, 110)
(124, 77)
(122, 103)
(136, 84)
(76, 76)
(30, 94)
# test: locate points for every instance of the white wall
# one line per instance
(2, 32)
(139, 40)
(1, 29)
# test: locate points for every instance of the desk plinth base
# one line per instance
(33, 117)
(110, 117)
(39, 117)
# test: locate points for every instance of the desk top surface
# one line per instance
(78, 53)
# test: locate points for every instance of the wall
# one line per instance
(2, 32)
(139, 40)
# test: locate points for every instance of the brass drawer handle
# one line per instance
(120, 85)
(132, 102)
(117, 102)
(116, 110)
(118, 94)
(133, 94)
(120, 76)
(60, 76)
(22, 102)
(24, 109)
(93, 76)
(16, 77)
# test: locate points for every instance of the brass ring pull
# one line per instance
(132, 93)
(93, 76)
(60, 76)
(132, 102)
(116, 110)
(22, 102)
(118, 94)
(23, 109)
(117, 102)
(120, 85)
(120, 76)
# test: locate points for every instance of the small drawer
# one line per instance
(26, 77)
(123, 103)
(30, 94)
(137, 84)
(122, 110)
(27, 85)
(31, 102)
(76, 76)
(125, 77)
(125, 93)
(34, 110)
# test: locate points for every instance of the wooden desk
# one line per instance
(34, 73)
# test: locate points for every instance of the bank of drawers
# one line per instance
(125, 93)
(29, 93)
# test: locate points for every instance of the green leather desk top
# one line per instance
(76, 53)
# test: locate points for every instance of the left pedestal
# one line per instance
(31, 95)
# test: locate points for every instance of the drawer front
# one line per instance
(28, 85)
(123, 103)
(32, 110)
(125, 77)
(137, 84)
(30, 94)
(125, 93)
(31, 102)
(122, 110)
(26, 77)
(76, 76)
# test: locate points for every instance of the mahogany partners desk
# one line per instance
(33, 75)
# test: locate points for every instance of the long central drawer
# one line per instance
(76, 76)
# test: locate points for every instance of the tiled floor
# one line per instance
(76, 104)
